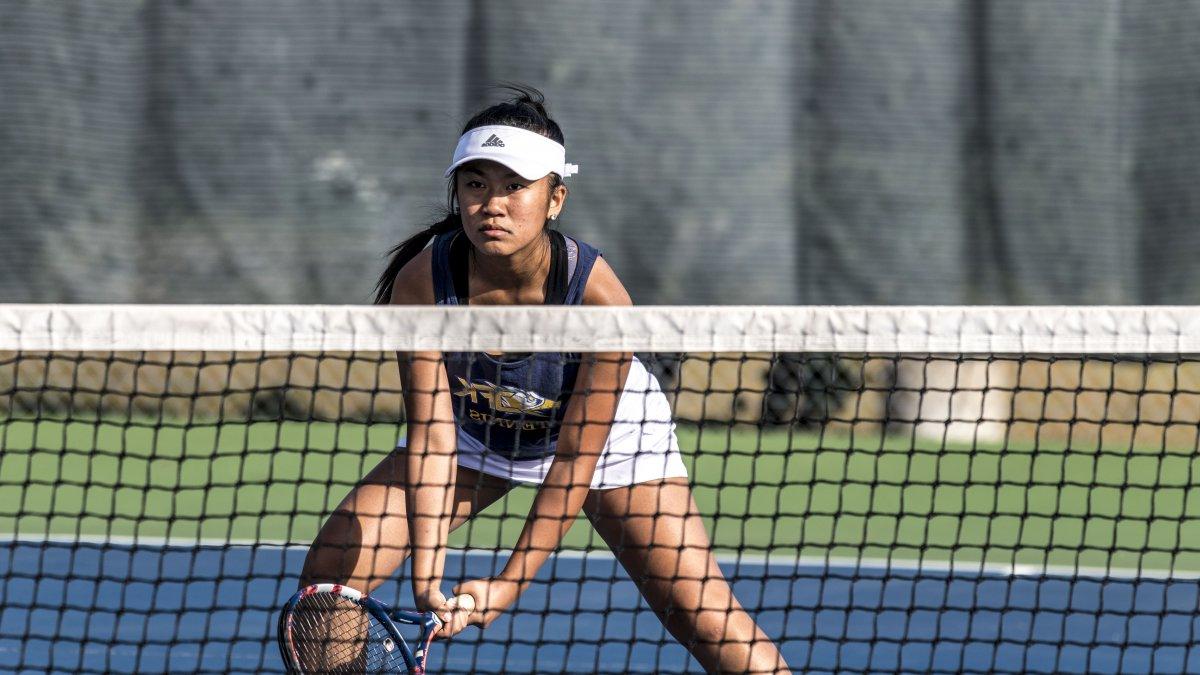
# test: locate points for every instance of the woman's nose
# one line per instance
(494, 204)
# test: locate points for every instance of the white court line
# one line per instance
(728, 559)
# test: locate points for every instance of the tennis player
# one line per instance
(594, 431)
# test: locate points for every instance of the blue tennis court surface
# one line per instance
(125, 608)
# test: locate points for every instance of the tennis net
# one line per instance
(905, 488)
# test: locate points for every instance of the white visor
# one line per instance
(530, 155)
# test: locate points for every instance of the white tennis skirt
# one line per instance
(641, 445)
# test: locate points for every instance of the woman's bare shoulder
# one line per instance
(604, 288)
(414, 281)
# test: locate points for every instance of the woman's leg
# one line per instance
(365, 539)
(657, 533)
(360, 545)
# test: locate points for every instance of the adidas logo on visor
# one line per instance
(493, 142)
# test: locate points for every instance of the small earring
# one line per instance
(554, 216)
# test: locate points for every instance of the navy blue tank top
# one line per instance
(513, 405)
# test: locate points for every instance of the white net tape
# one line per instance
(880, 330)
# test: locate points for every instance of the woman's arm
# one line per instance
(432, 442)
(560, 498)
(429, 471)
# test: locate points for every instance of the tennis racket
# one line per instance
(330, 628)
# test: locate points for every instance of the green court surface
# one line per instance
(776, 492)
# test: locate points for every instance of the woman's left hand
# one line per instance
(492, 597)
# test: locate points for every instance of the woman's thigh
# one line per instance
(365, 539)
(656, 532)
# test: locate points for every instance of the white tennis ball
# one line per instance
(466, 601)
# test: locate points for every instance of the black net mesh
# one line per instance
(913, 511)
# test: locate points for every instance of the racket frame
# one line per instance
(428, 622)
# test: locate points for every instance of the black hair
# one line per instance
(526, 110)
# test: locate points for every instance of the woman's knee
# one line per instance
(335, 551)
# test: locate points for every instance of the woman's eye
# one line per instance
(514, 187)
(474, 184)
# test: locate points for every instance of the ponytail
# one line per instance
(405, 251)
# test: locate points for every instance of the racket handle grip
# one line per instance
(466, 601)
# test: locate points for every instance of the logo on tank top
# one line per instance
(506, 399)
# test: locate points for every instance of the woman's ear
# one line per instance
(558, 198)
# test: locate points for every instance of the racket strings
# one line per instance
(331, 634)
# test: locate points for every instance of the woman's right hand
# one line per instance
(455, 613)
(489, 598)
(433, 601)
(461, 610)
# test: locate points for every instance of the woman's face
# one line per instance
(502, 213)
